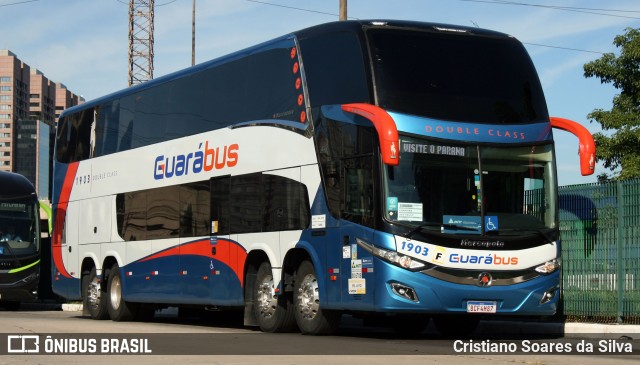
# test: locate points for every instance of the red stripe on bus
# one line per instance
(227, 252)
(61, 213)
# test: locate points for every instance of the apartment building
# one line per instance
(30, 104)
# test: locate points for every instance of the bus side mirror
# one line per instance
(385, 126)
(587, 146)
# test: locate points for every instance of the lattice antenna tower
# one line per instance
(140, 41)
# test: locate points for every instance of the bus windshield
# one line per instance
(455, 77)
(450, 187)
(19, 221)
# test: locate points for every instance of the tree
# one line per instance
(620, 148)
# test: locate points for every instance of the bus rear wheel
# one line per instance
(119, 310)
(311, 318)
(274, 313)
(94, 298)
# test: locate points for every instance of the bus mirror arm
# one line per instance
(587, 146)
(385, 127)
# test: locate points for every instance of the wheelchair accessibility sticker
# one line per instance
(491, 223)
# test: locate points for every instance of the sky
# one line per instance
(84, 44)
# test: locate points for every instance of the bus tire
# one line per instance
(274, 313)
(94, 298)
(311, 318)
(119, 310)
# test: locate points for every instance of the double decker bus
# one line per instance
(378, 168)
(20, 245)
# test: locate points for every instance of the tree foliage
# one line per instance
(618, 145)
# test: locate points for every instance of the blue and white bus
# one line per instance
(389, 168)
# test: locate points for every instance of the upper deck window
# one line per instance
(335, 69)
(456, 77)
(255, 87)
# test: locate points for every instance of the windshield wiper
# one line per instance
(441, 225)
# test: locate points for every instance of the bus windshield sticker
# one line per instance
(431, 149)
(411, 212)
(392, 206)
(463, 221)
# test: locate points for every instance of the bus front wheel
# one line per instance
(311, 318)
(94, 298)
(119, 310)
(274, 313)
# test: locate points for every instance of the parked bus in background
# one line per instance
(388, 169)
(20, 241)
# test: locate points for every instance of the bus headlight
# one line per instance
(393, 257)
(549, 267)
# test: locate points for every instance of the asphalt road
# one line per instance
(168, 339)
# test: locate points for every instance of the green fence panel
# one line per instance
(600, 232)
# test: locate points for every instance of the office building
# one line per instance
(30, 104)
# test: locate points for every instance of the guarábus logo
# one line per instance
(196, 162)
(487, 260)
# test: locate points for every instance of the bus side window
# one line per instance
(220, 205)
(358, 190)
(132, 207)
(194, 209)
(247, 203)
(286, 204)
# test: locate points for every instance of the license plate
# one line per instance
(481, 307)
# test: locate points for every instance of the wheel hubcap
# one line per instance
(266, 297)
(308, 297)
(93, 293)
(115, 293)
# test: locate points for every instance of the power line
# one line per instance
(156, 5)
(593, 11)
(552, 6)
(565, 48)
(18, 3)
(299, 9)
(487, 1)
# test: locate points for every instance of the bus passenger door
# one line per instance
(357, 216)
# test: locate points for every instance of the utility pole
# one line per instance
(193, 33)
(343, 9)
(140, 41)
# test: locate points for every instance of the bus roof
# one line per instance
(14, 185)
(357, 25)
(351, 25)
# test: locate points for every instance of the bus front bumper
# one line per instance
(407, 291)
(21, 289)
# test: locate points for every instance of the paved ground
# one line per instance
(229, 343)
(517, 327)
